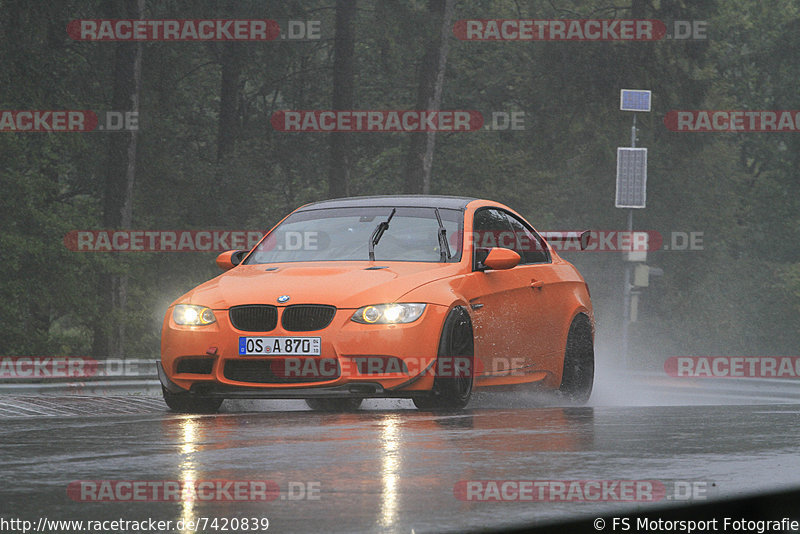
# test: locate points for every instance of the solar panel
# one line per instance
(634, 100)
(631, 178)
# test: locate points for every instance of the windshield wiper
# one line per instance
(378, 233)
(444, 247)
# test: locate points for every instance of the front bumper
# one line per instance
(343, 341)
(360, 390)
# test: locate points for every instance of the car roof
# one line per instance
(408, 201)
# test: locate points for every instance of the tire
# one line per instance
(452, 387)
(334, 405)
(578, 375)
(186, 403)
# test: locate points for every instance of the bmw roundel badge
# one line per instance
(283, 298)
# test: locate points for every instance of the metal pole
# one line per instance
(626, 299)
(626, 280)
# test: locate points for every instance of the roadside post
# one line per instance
(631, 193)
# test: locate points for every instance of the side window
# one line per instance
(490, 228)
(529, 245)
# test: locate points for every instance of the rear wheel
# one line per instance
(578, 375)
(334, 405)
(186, 403)
(455, 365)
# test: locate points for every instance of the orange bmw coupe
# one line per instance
(420, 297)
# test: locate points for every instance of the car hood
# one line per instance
(341, 284)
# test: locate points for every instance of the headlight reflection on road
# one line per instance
(188, 468)
(390, 464)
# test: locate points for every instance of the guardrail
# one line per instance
(104, 377)
(31, 376)
(768, 390)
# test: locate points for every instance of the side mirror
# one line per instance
(500, 258)
(230, 259)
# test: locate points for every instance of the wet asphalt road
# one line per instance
(389, 468)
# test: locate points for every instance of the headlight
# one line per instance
(388, 313)
(189, 314)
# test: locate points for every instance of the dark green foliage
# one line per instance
(739, 295)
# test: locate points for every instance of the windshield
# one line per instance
(345, 234)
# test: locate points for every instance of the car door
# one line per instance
(500, 300)
(540, 329)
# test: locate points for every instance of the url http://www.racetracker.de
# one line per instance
(142, 526)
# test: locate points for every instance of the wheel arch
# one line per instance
(579, 313)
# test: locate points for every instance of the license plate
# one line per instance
(291, 346)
